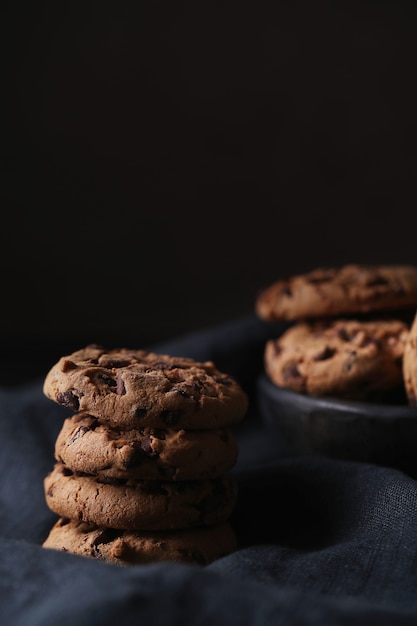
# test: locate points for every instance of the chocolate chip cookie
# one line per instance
(139, 505)
(85, 445)
(139, 389)
(343, 291)
(199, 546)
(350, 359)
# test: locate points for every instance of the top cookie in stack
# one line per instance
(347, 290)
(141, 471)
(348, 330)
(136, 388)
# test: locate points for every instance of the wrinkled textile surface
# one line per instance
(320, 541)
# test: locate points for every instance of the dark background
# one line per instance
(163, 161)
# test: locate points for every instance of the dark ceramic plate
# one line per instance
(383, 434)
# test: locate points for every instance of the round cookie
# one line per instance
(346, 290)
(85, 445)
(144, 505)
(350, 359)
(198, 546)
(410, 364)
(138, 389)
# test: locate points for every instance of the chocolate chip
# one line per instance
(342, 334)
(146, 446)
(120, 387)
(68, 399)
(108, 380)
(195, 385)
(140, 411)
(139, 451)
(110, 363)
(325, 354)
(291, 371)
(78, 433)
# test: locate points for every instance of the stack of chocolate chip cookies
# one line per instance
(349, 332)
(141, 470)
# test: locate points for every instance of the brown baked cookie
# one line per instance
(410, 364)
(198, 546)
(85, 445)
(350, 359)
(348, 290)
(138, 389)
(144, 505)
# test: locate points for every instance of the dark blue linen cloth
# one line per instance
(321, 542)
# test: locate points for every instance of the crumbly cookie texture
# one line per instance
(345, 358)
(199, 546)
(145, 505)
(87, 446)
(410, 364)
(346, 290)
(137, 389)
